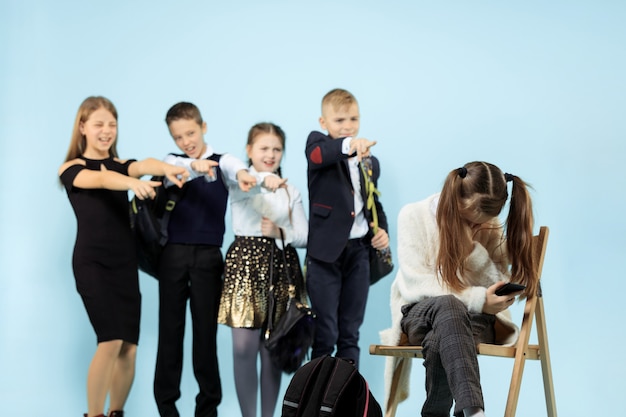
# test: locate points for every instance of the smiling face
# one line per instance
(342, 121)
(189, 136)
(265, 152)
(100, 132)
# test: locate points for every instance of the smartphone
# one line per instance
(509, 288)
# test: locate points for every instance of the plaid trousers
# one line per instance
(448, 333)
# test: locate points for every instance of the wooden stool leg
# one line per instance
(546, 369)
(392, 401)
(520, 357)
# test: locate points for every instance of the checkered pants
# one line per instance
(448, 334)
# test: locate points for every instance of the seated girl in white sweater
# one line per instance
(453, 255)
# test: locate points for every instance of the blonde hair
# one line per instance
(78, 141)
(338, 98)
(477, 188)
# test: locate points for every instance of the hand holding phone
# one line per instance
(509, 288)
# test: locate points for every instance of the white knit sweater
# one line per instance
(417, 279)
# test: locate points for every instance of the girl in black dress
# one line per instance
(104, 259)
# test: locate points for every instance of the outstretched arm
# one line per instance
(322, 151)
(110, 180)
(150, 166)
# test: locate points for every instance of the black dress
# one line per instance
(105, 259)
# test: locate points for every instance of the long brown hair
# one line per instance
(78, 142)
(480, 188)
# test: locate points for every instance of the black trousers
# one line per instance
(194, 273)
(448, 333)
(338, 293)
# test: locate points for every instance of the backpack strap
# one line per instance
(342, 373)
(173, 194)
(305, 386)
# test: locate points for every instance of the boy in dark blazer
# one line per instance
(337, 274)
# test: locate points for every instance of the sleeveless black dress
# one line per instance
(105, 259)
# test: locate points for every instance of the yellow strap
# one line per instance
(370, 191)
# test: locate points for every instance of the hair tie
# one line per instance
(462, 172)
(508, 177)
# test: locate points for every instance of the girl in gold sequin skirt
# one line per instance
(258, 216)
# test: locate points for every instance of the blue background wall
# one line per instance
(535, 87)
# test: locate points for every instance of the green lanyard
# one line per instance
(370, 191)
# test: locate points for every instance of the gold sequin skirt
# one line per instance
(247, 279)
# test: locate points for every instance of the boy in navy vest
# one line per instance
(338, 271)
(191, 264)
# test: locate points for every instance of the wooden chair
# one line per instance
(533, 309)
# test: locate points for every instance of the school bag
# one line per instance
(149, 219)
(329, 386)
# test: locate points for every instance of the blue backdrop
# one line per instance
(535, 87)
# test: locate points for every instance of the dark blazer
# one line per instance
(331, 199)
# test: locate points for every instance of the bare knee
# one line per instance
(128, 350)
(117, 349)
(110, 348)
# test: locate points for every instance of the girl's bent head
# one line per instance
(474, 195)
(482, 190)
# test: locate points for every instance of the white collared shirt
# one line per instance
(359, 226)
(283, 207)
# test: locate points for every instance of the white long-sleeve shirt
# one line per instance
(283, 207)
(229, 165)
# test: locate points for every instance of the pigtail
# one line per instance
(480, 187)
(454, 242)
(519, 234)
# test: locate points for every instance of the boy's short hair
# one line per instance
(338, 98)
(183, 110)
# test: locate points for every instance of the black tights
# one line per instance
(246, 348)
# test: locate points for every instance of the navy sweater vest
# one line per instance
(198, 217)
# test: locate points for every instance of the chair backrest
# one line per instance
(540, 243)
(522, 348)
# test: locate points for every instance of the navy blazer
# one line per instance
(331, 198)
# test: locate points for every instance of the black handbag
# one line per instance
(381, 261)
(289, 340)
(381, 264)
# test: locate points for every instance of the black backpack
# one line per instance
(329, 386)
(149, 219)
